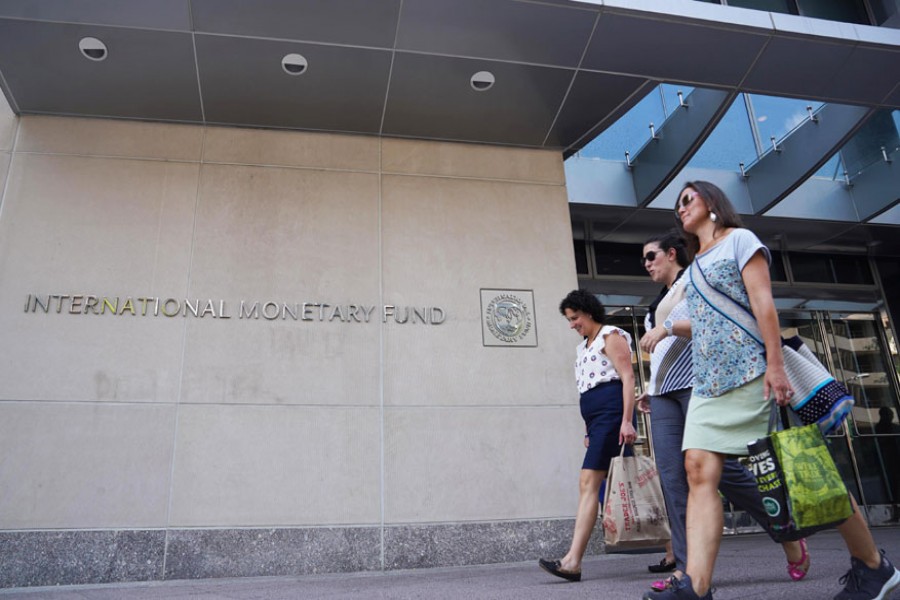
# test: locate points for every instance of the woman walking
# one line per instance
(605, 379)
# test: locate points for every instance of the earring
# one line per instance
(713, 217)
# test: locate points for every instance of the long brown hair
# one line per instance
(717, 202)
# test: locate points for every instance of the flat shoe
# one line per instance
(662, 567)
(554, 567)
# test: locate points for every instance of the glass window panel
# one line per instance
(810, 268)
(776, 117)
(833, 169)
(847, 11)
(670, 96)
(630, 132)
(864, 148)
(852, 270)
(883, 10)
(776, 270)
(842, 459)
(730, 143)
(863, 366)
(581, 261)
(618, 259)
(778, 6)
(875, 472)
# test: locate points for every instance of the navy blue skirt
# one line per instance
(601, 409)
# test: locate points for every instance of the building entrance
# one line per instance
(860, 350)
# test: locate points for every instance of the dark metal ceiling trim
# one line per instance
(876, 189)
(677, 140)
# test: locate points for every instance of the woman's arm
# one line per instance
(680, 328)
(619, 353)
(759, 289)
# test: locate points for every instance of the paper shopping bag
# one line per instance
(634, 511)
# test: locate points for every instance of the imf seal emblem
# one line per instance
(508, 318)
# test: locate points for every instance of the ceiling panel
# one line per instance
(343, 89)
(595, 98)
(796, 66)
(501, 29)
(431, 97)
(158, 14)
(355, 22)
(853, 80)
(147, 74)
(671, 50)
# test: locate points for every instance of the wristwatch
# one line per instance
(668, 325)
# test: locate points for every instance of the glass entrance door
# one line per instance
(864, 360)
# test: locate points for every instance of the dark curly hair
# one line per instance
(584, 301)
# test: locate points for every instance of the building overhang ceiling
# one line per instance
(563, 70)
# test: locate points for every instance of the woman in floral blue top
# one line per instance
(735, 382)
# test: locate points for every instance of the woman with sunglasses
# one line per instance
(734, 384)
(667, 338)
(605, 380)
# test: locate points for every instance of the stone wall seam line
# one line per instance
(186, 161)
(475, 178)
(179, 392)
(293, 167)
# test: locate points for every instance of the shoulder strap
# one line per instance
(725, 305)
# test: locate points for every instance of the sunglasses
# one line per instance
(649, 257)
(686, 199)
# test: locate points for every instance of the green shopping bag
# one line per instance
(801, 487)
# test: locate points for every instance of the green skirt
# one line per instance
(727, 423)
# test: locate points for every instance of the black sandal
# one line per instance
(554, 567)
(662, 567)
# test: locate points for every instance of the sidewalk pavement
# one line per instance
(748, 567)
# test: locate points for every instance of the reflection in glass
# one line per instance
(833, 169)
(730, 143)
(841, 455)
(865, 148)
(777, 117)
(630, 132)
(777, 6)
(862, 365)
(618, 259)
(846, 11)
(670, 96)
(876, 459)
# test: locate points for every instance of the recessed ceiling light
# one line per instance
(482, 81)
(92, 49)
(294, 64)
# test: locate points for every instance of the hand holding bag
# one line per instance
(801, 488)
(634, 510)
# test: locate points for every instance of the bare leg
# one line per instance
(704, 516)
(858, 538)
(585, 519)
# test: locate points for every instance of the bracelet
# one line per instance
(587, 435)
